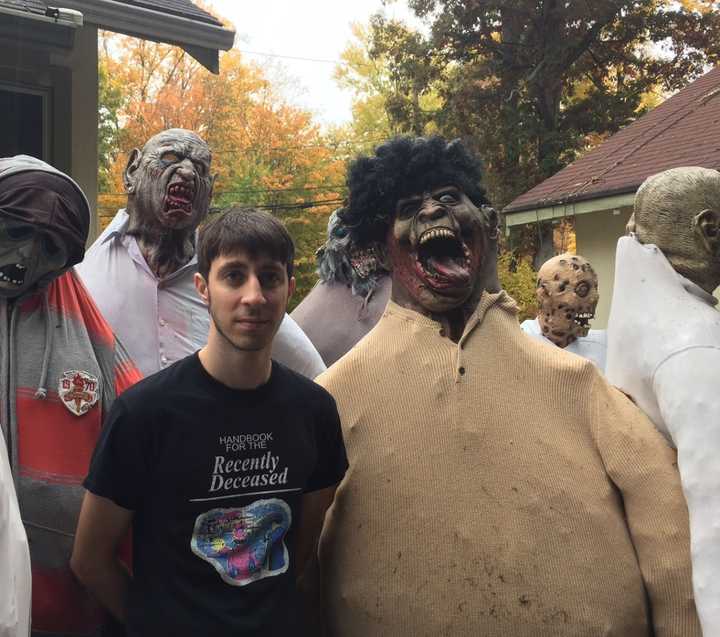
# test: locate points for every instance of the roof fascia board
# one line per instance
(154, 25)
(570, 209)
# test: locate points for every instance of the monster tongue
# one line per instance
(450, 268)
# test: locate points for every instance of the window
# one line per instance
(24, 124)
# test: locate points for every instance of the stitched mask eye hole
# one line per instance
(582, 289)
(50, 246)
(20, 232)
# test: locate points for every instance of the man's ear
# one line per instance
(201, 287)
(630, 226)
(706, 225)
(132, 165)
(492, 220)
(291, 287)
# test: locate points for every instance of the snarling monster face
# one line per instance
(26, 256)
(169, 182)
(341, 260)
(436, 245)
(567, 292)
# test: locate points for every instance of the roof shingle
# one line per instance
(683, 131)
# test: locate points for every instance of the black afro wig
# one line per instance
(402, 167)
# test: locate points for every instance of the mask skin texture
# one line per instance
(169, 189)
(678, 210)
(441, 248)
(567, 293)
(340, 260)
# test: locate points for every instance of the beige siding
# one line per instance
(597, 234)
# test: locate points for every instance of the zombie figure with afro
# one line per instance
(62, 369)
(496, 486)
(664, 345)
(350, 296)
(567, 295)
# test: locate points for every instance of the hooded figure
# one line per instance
(62, 368)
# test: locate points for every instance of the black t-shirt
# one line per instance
(215, 477)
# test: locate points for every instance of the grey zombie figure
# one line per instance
(496, 486)
(140, 270)
(664, 345)
(350, 297)
(62, 369)
(567, 295)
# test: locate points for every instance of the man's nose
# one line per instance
(253, 293)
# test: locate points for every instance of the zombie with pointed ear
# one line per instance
(350, 296)
(485, 467)
(664, 344)
(145, 259)
(567, 295)
(63, 369)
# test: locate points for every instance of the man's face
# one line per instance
(247, 298)
(170, 180)
(26, 255)
(436, 244)
(567, 293)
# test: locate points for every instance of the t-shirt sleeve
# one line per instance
(331, 457)
(119, 469)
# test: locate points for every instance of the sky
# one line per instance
(314, 29)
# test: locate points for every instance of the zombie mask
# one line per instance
(567, 293)
(342, 261)
(44, 220)
(437, 244)
(168, 183)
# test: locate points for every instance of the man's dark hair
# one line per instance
(402, 167)
(253, 231)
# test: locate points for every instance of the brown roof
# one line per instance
(683, 131)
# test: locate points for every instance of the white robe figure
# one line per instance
(593, 346)
(664, 351)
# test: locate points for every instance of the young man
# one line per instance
(224, 463)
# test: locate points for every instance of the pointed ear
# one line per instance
(706, 225)
(130, 169)
(492, 221)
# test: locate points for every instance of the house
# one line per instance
(49, 70)
(598, 190)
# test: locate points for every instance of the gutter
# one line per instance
(201, 39)
(66, 19)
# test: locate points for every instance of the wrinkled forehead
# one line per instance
(185, 143)
(566, 266)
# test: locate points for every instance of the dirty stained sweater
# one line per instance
(498, 487)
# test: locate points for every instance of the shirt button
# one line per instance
(162, 323)
(163, 360)
(462, 371)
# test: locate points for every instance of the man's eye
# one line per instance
(170, 157)
(234, 277)
(271, 279)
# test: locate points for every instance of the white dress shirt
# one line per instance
(160, 321)
(15, 574)
(592, 346)
(664, 351)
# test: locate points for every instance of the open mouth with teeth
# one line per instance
(179, 199)
(364, 262)
(443, 259)
(583, 319)
(12, 275)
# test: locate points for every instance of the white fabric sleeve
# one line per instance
(14, 558)
(686, 389)
(295, 350)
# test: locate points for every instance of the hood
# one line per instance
(34, 192)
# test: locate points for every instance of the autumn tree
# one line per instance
(266, 152)
(529, 83)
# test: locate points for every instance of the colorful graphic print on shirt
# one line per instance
(244, 544)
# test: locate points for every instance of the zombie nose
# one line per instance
(186, 170)
(431, 211)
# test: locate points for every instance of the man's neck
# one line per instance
(237, 369)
